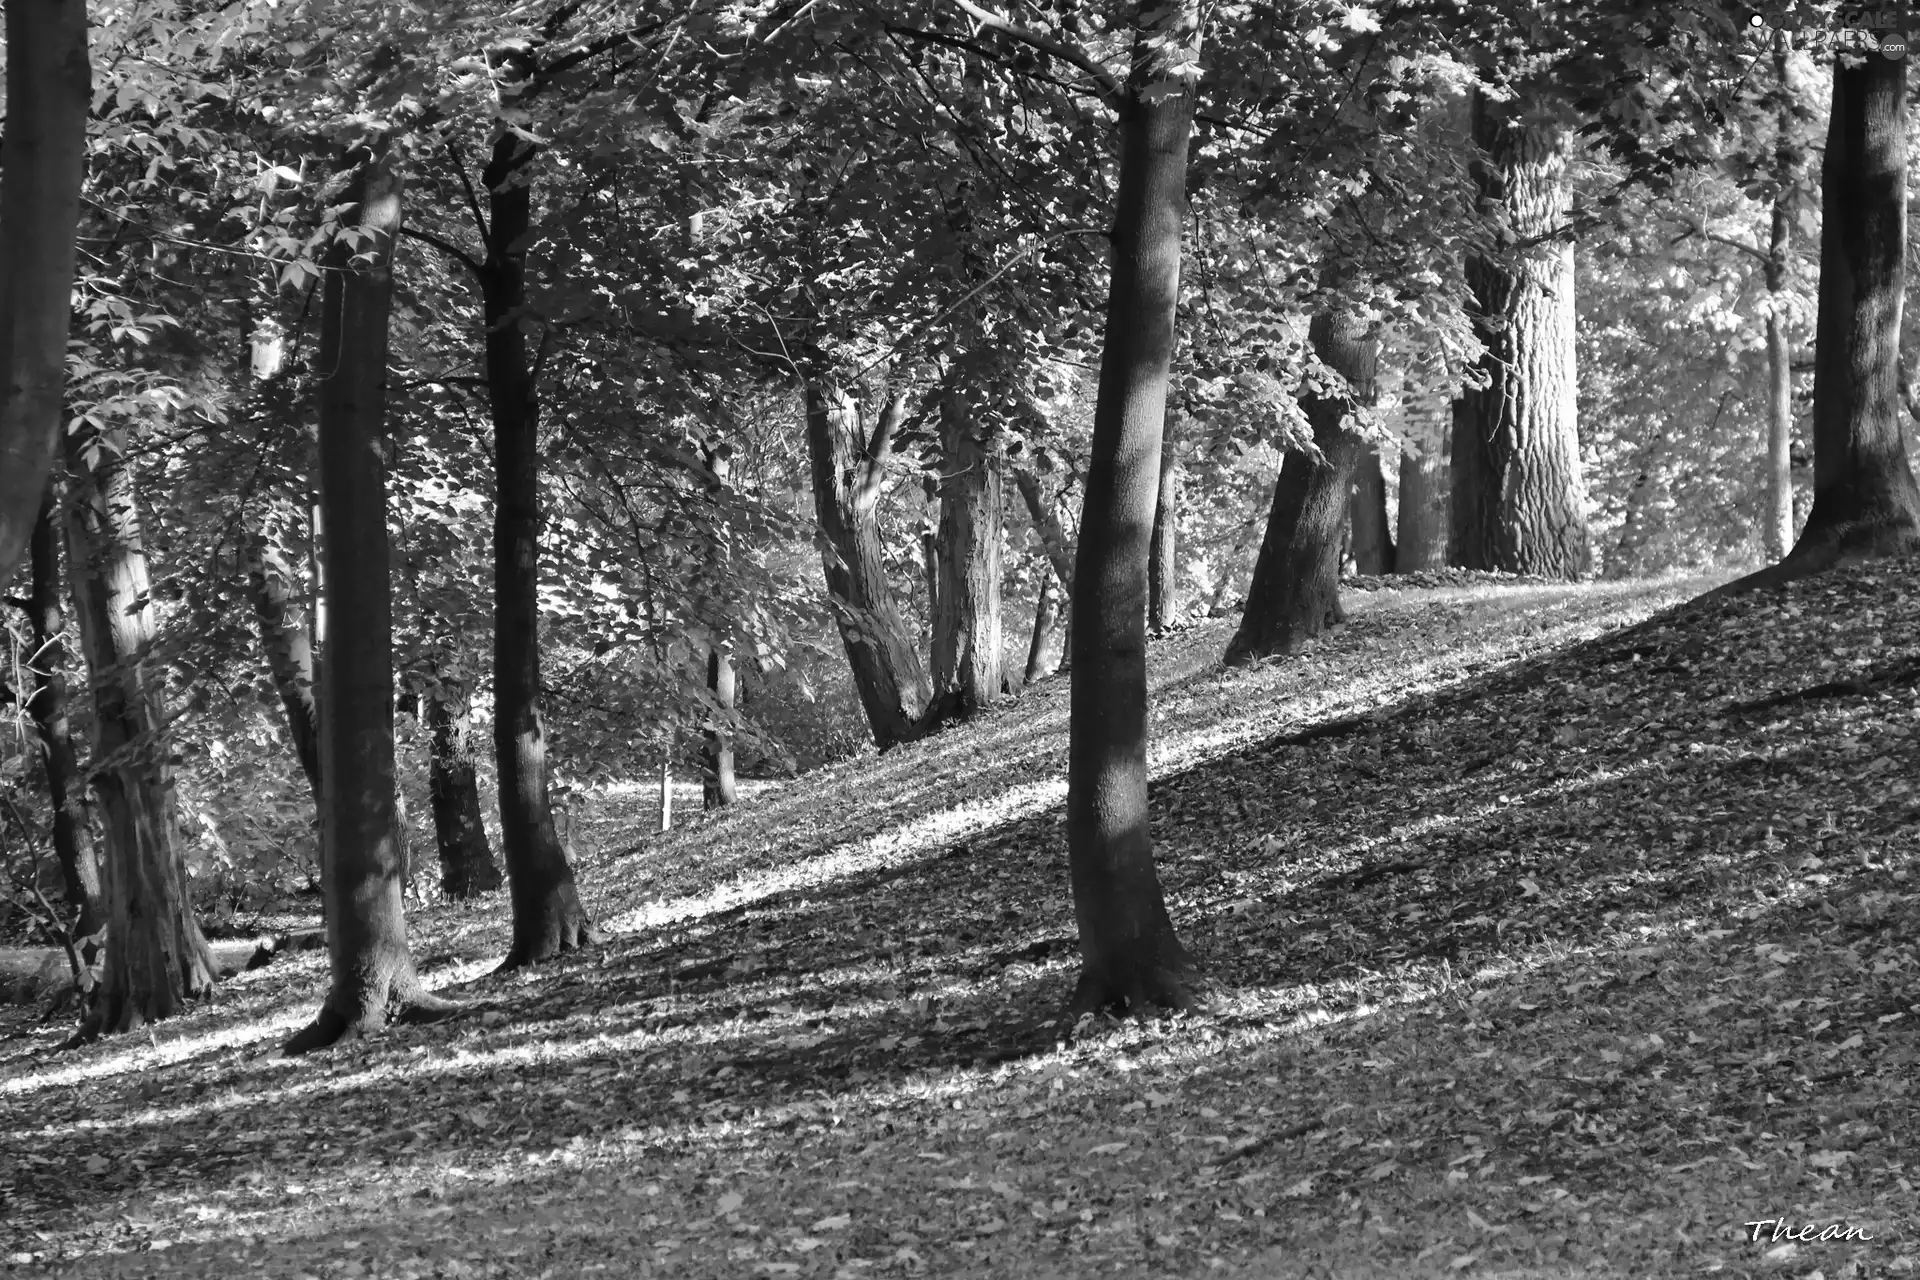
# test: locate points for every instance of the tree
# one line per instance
(42, 161)
(717, 788)
(289, 648)
(156, 958)
(1130, 956)
(373, 980)
(1789, 160)
(1518, 501)
(966, 612)
(1295, 592)
(1422, 510)
(1865, 502)
(1163, 551)
(1373, 548)
(467, 868)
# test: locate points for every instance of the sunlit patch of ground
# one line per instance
(1554, 967)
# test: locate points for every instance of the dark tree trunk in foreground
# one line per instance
(547, 916)
(156, 959)
(1777, 519)
(1518, 502)
(467, 868)
(1373, 548)
(289, 647)
(1423, 511)
(49, 92)
(848, 471)
(1042, 659)
(1295, 592)
(72, 839)
(1130, 956)
(716, 754)
(362, 871)
(966, 613)
(1163, 549)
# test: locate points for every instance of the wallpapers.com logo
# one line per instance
(1855, 29)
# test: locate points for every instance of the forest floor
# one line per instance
(1562, 959)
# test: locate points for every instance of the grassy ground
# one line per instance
(1562, 963)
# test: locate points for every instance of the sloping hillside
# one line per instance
(1541, 947)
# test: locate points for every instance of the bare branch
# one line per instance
(447, 247)
(1111, 90)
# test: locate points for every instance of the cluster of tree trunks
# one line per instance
(1518, 502)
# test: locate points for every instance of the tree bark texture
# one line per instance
(289, 648)
(848, 471)
(467, 866)
(966, 631)
(1042, 658)
(1864, 499)
(156, 958)
(373, 980)
(1519, 505)
(1130, 955)
(72, 836)
(1423, 512)
(547, 916)
(1163, 549)
(1295, 592)
(1372, 543)
(49, 93)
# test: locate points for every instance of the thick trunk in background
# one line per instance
(72, 839)
(547, 916)
(1130, 955)
(966, 613)
(42, 160)
(1423, 512)
(1777, 520)
(1518, 502)
(848, 470)
(1163, 546)
(1865, 503)
(717, 787)
(362, 872)
(1295, 592)
(467, 868)
(1042, 658)
(289, 647)
(156, 959)
(1373, 549)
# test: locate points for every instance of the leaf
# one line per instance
(1107, 1149)
(837, 1222)
(730, 1203)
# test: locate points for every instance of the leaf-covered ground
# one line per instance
(1540, 950)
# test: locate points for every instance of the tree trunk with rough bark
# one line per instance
(966, 630)
(547, 916)
(1163, 549)
(362, 872)
(156, 958)
(1130, 956)
(1042, 659)
(1373, 548)
(42, 162)
(72, 837)
(1423, 512)
(1519, 505)
(289, 647)
(848, 471)
(717, 788)
(467, 866)
(1295, 592)
(1777, 519)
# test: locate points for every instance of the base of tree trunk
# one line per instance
(559, 927)
(1856, 544)
(1139, 991)
(116, 1013)
(404, 1003)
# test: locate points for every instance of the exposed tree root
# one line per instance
(330, 1026)
(565, 928)
(1838, 549)
(1904, 673)
(1146, 990)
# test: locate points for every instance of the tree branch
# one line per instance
(447, 247)
(1110, 90)
(880, 447)
(473, 201)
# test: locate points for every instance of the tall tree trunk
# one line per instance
(156, 958)
(1373, 549)
(1777, 520)
(362, 872)
(1041, 658)
(72, 839)
(1130, 955)
(1295, 592)
(1518, 502)
(49, 93)
(467, 868)
(966, 630)
(716, 755)
(1163, 548)
(848, 470)
(1423, 511)
(289, 646)
(547, 916)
